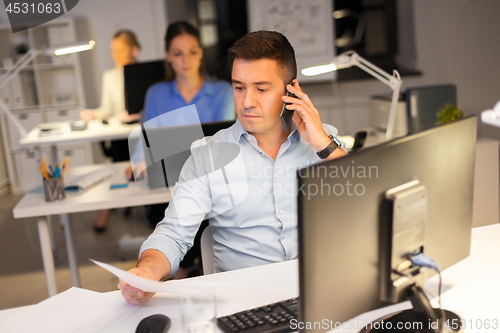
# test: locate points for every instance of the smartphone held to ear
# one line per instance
(285, 114)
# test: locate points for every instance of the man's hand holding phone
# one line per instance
(307, 117)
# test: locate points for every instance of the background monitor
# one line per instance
(344, 216)
(138, 78)
(423, 104)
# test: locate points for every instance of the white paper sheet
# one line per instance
(170, 287)
(75, 310)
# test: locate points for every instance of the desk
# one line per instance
(470, 288)
(98, 197)
(96, 131)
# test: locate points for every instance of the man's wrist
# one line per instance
(155, 262)
(333, 144)
(321, 144)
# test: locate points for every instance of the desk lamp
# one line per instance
(492, 117)
(351, 58)
(25, 60)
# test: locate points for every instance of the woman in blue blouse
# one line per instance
(186, 84)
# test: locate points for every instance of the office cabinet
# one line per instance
(49, 89)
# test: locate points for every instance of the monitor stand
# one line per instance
(422, 318)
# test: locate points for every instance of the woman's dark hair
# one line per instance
(266, 45)
(176, 29)
(128, 37)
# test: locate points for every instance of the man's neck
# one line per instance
(271, 143)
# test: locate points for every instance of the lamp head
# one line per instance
(492, 117)
(496, 110)
(70, 48)
(344, 60)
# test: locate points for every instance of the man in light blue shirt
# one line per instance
(251, 198)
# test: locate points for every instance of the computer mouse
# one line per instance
(157, 323)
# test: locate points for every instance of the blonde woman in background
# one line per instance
(124, 48)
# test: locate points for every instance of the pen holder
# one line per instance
(54, 189)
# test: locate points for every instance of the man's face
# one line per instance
(257, 90)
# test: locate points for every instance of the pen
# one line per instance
(44, 165)
(56, 174)
(65, 163)
(51, 170)
(43, 173)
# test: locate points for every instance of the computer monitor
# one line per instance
(359, 215)
(423, 103)
(137, 79)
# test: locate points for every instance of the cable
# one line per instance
(423, 261)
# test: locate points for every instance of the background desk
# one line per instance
(96, 131)
(98, 197)
(21, 165)
(471, 289)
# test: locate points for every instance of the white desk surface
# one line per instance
(471, 289)
(97, 197)
(96, 131)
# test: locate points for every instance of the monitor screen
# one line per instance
(138, 78)
(344, 218)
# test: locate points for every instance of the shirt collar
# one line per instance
(240, 130)
(294, 131)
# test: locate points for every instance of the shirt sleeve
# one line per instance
(174, 235)
(105, 110)
(330, 130)
(225, 107)
(150, 112)
(150, 103)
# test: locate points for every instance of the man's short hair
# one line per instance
(266, 45)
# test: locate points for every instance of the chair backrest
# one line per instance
(207, 250)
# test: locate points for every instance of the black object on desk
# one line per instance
(269, 318)
(156, 323)
(138, 78)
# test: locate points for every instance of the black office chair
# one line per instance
(359, 140)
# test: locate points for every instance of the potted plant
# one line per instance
(449, 113)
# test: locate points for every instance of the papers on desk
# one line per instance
(82, 182)
(93, 312)
(50, 129)
(169, 287)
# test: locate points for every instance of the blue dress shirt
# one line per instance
(250, 200)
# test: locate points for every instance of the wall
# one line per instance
(147, 18)
(456, 41)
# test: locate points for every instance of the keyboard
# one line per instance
(266, 319)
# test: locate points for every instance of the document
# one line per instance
(170, 287)
(75, 310)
